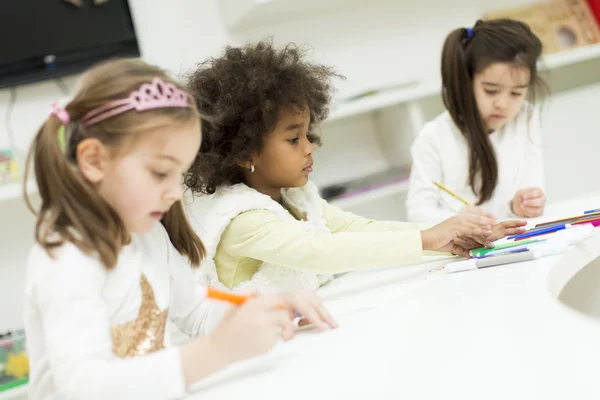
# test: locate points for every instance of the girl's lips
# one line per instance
(157, 214)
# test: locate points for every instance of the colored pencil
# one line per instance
(451, 193)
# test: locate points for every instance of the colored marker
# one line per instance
(510, 250)
(483, 251)
(236, 299)
(567, 220)
(594, 223)
(592, 211)
(550, 229)
(527, 231)
(476, 263)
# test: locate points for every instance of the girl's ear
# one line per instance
(246, 164)
(92, 157)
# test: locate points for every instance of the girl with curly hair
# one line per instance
(261, 219)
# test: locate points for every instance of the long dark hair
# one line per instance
(467, 52)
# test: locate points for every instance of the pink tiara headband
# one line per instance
(149, 96)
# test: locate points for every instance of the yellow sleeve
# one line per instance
(343, 221)
(262, 235)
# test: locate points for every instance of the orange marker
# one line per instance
(235, 299)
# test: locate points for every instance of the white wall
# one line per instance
(383, 42)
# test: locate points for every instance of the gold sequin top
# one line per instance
(146, 333)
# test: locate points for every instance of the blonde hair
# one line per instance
(72, 210)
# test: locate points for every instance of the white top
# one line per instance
(440, 153)
(72, 303)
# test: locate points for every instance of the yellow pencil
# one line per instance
(451, 193)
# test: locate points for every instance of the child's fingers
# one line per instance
(473, 230)
(479, 220)
(513, 224)
(485, 221)
(460, 251)
(466, 243)
(479, 216)
(508, 228)
(282, 320)
(312, 309)
(324, 314)
(510, 232)
(483, 242)
(532, 193)
(532, 212)
(534, 201)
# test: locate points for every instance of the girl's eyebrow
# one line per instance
(293, 127)
(169, 157)
(498, 85)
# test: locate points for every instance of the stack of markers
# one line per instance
(541, 233)
(544, 239)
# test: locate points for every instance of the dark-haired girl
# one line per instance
(487, 146)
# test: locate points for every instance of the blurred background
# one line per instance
(389, 50)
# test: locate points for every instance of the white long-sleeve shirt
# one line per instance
(440, 153)
(72, 303)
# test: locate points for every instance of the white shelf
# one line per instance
(11, 191)
(568, 57)
(244, 14)
(19, 392)
(371, 195)
(432, 86)
(386, 98)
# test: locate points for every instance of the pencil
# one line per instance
(451, 193)
(235, 299)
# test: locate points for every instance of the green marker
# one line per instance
(482, 251)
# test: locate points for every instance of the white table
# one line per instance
(496, 333)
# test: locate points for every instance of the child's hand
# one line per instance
(441, 237)
(252, 329)
(309, 306)
(507, 228)
(528, 203)
(256, 326)
(248, 331)
(499, 231)
(477, 216)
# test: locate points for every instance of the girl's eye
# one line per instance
(294, 140)
(516, 94)
(159, 175)
(490, 91)
(311, 138)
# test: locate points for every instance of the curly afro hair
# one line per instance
(242, 94)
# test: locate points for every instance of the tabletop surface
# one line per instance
(415, 332)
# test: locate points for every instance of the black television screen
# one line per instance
(49, 39)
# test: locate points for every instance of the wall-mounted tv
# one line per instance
(50, 39)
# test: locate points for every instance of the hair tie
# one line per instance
(63, 116)
(60, 113)
(469, 33)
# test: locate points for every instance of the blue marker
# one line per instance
(592, 211)
(544, 231)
